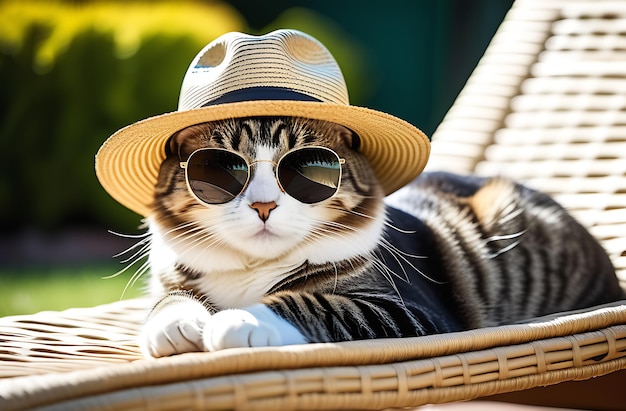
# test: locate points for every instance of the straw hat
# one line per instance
(283, 73)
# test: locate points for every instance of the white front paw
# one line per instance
(256, 326)
(176, 329)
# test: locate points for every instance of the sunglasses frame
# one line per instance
(275, 164)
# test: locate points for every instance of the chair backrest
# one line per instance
(546, 105)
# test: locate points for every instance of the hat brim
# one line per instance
(127, 164)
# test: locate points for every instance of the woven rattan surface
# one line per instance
(72, 339)
(546, 105)
(365, 374)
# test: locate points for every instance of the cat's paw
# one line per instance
(255, 326)
(175, 329)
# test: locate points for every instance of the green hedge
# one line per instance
(72, 75)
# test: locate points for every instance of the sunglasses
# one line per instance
(309, 174)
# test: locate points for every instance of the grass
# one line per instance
(33, 289)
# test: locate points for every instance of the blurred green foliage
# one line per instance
(72, 75)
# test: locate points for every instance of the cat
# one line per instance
(446, 253)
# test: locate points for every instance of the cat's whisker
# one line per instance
(140, 235)
(393, 250)
(505, 237)
(191, 239)
(137, 256)
(387, 274)
(383, 264)
(398, 229)
(202, 239)
(145, 267)
(504, 249)
(143, 250)
(329, 230)
(121, 271)
(145, 238)
(385, 221)
(384, 268)
(184, 229)
(142, 244)
(336, 277)
(338, 227)
(408, 255)
(321, 233)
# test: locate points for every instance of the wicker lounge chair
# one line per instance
(546, 105)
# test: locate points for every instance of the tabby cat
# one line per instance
(260, 267)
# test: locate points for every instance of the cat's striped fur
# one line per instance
(452, 253)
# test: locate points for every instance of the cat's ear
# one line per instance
(349, 137)
(184, 142)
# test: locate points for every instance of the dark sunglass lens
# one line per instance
(216, 176)
(310, 175)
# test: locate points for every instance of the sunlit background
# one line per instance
(73, 72)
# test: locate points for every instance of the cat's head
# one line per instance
(235, 233)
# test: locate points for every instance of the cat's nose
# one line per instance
(264, 209)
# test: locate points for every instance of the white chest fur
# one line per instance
(241, 288)
(227, 279)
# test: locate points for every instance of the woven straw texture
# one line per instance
(98, 345)
(545, 105)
